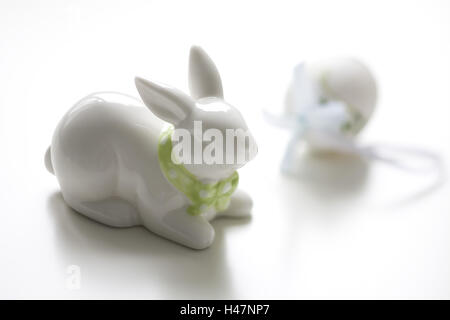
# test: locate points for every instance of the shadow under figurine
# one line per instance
(114, 162)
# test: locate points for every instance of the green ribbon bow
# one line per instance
(201, 195)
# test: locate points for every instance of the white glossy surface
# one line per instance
(346, 230)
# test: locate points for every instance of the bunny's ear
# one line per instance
(165, 102)
(204, 79)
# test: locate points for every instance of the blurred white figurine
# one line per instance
(112, 155)
(327, 104)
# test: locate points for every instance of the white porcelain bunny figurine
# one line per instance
(111, 156)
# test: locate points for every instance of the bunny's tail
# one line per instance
(48, 161)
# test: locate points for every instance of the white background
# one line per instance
(342, 229)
